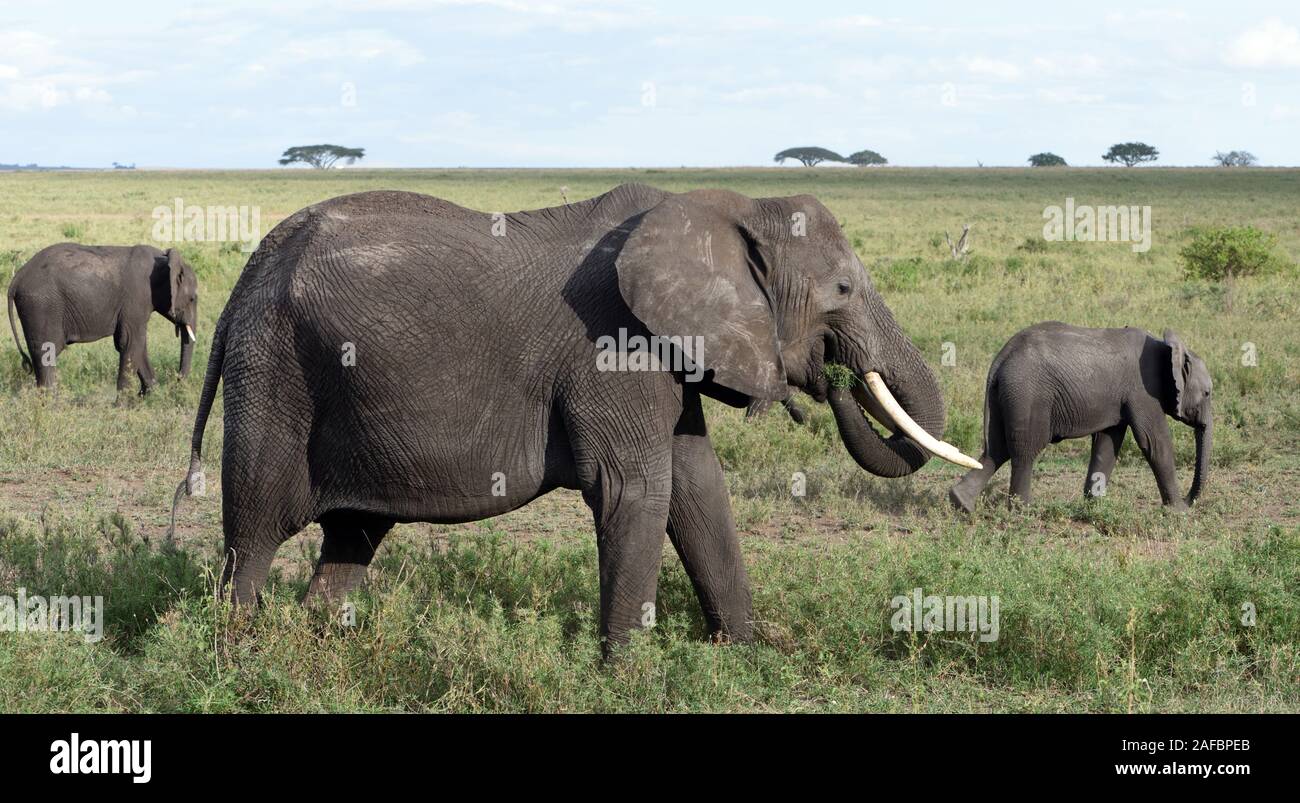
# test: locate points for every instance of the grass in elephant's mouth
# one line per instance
(500, 615)
(839, 376)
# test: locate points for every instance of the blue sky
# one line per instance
(599, 83)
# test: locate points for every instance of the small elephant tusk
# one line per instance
(190, 331)
(904, 422)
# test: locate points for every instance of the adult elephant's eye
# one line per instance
(844, 287)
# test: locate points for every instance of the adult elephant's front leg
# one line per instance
(630, 505)
(703, 531)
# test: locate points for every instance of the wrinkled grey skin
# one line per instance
(1054, 381)
(69, 293)
(476, 371)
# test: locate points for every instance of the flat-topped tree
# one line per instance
(321, 157)
(1046, 159)
(1131, 153)
(867, 158)
(810, 156)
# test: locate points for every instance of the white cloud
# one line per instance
(31, 51)
(1071, 64)
(1272, 44)
(993, 68)
(362, 45)
(1282, 111)
(856, 21)
(878, 69)
(786, 91)
(39, 74)
(1069, 95)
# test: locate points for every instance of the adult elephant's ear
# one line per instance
(1179, 363)
(691, 269)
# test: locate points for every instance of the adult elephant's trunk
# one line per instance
(1204, 440)
(903, 395)
(187, 348)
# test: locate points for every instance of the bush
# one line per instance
(1226, 253)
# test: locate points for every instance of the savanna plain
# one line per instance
(1110, 604)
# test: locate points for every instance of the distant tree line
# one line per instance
(811, 156)
(1129, 154)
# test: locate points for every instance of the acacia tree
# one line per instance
(810, 156)
(1046, 159)
(321, 157)
(1234, 159)
(867, 158)
(1131, 153)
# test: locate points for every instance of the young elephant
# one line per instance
(71, 293)
(1054, 381)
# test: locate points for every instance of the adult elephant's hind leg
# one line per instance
(346, 550)
(263, 504)
(703, 532)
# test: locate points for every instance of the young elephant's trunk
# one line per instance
(1204, 439)
(187, 351)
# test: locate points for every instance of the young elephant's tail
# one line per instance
(195, 484)
(27, 361)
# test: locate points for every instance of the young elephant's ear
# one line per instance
(1179, 363)
(176, 269)
(689, 269)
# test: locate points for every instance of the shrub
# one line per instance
(1226, 253)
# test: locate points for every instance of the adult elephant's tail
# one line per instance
(195, 484)
(27, 361)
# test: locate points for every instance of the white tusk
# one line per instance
(910, 428)
(190, 331)
(868, 403)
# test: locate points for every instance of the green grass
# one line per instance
(1106, 605)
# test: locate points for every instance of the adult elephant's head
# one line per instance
(773, 291)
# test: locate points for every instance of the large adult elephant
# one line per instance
(391, 357)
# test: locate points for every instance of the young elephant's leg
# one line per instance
(1105, 449)
(1022, 475)
(131, 359)
(1154, 439)
(703, 532)
(143, 369)
(124, 371)
(1027, 427)
(346, 550)
(45, 345)
(962, 494)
